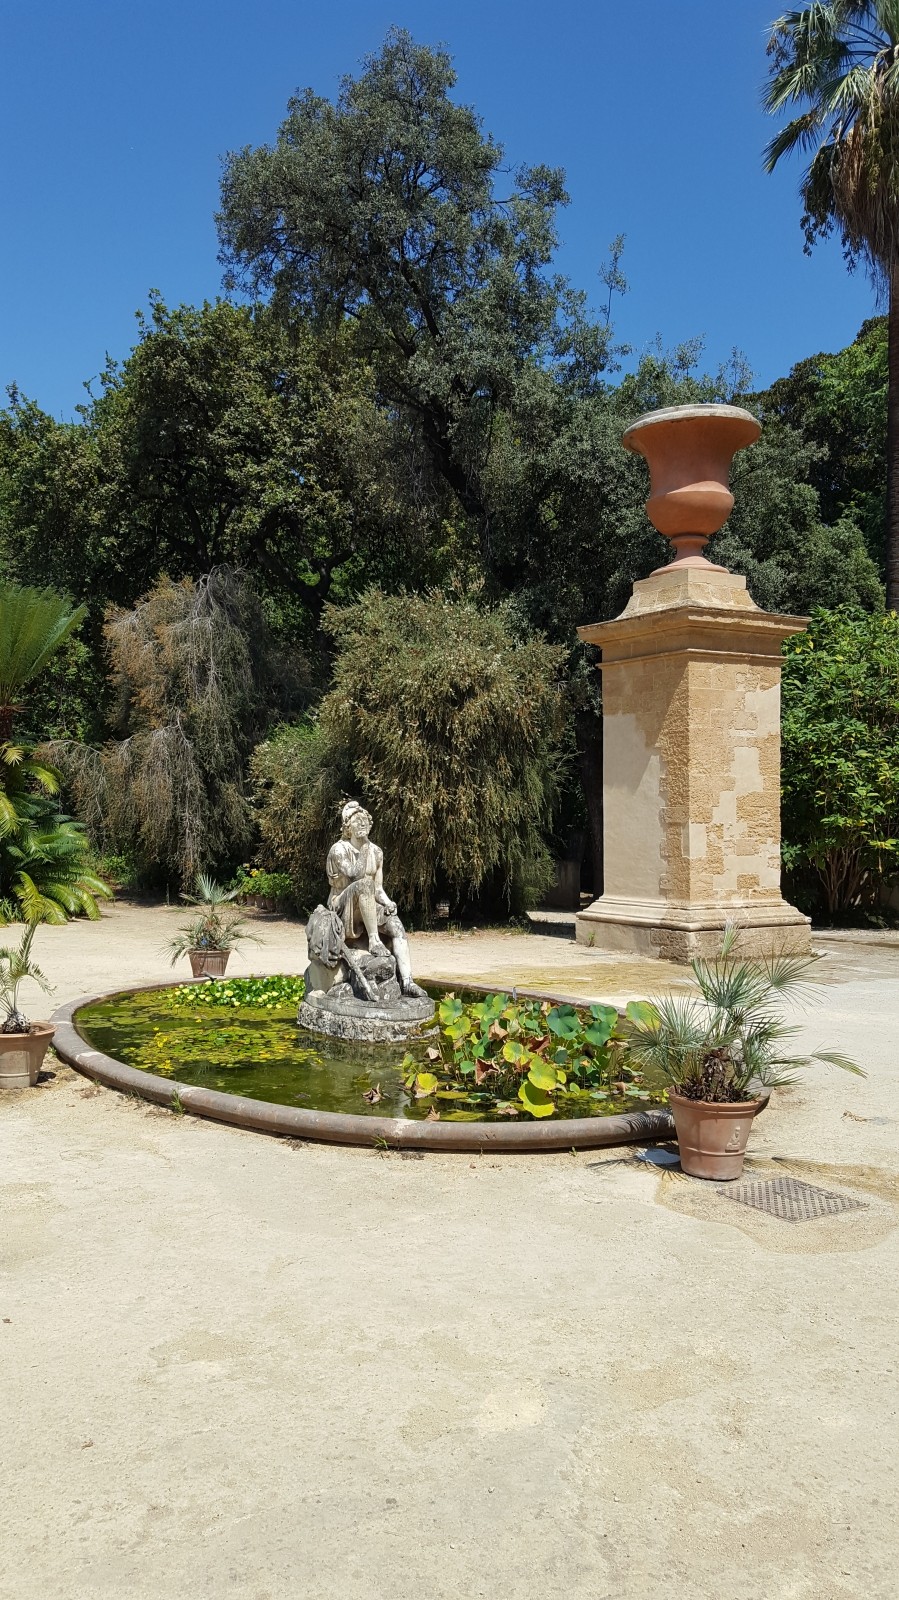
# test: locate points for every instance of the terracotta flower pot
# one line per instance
(712, 1138)
(208, 963)
(22, 1056)
(689, 450)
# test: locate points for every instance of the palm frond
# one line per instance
(33, 624)
(836, 1058)
(726, 1041)
(838, 60)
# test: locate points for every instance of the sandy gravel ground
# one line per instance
(233, 1365)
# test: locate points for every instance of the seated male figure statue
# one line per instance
(355, 869)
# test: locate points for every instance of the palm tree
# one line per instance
(33, 623)
(728, 1037)
(16, 965)
(837, 63)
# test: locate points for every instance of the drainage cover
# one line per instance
(791, 1200)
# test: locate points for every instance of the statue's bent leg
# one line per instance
(362, 891)
(368, 911)
(400, 945)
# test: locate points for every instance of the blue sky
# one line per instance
(114, 116)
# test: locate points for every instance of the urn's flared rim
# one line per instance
(736, 420)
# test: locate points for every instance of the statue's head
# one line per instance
(356, 821)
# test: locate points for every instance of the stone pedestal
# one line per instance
(691, 752)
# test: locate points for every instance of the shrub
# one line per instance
(194, 675)
(45, 869)
(841, 758)
(446, 726)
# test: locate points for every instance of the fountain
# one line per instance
(359, 984)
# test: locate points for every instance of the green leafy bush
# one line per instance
(445, 723)
(256, 883)
(45, 868)
(841, 759)
(525, 1055)
(194, 675)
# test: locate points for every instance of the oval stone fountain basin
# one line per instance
(256, 1068)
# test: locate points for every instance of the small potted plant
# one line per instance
(718, 1050)
(264, 890)
(208, 940)
(23, 1044)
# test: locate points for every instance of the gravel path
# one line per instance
(238, 1366)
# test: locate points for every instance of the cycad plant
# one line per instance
(33, 624)
(44, 871)
(214, 928)
(729, 1040)
(836, 63)
(15, 966)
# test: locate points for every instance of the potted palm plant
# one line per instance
(208, 940)
(23, 1044)
(720, 1049)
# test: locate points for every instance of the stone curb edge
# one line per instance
(331, 1127)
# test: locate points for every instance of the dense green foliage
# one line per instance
(33, 625)
(841, 759)
(382, 208)
(447, 725)
(834, 68)
(415, 402)
(195, 679)
(256, 884)
(837, 404)
(45, 871)
(45, 875)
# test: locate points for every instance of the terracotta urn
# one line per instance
(689, 450)
(711, 1135)
(22, 1056)
(208, 963)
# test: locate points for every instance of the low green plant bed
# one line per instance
(267, 994)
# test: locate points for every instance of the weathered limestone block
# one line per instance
(691, 753)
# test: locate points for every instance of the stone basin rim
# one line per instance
(333, 1127)
(699, 412)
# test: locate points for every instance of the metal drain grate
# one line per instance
(791, 1200)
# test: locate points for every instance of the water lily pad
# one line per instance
(542, 1075)
(534, 1100)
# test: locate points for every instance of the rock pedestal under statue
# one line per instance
(359, 983)
(691, 725)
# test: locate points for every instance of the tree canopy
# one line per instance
(412, 402)
(835, 63)
(383, 208)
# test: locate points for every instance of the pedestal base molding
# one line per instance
(672, 932)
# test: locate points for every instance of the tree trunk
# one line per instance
(892, 528)
(588, 733)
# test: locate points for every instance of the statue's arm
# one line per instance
(381, 894)
(340, 866)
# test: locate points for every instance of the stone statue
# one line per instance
(359, 981)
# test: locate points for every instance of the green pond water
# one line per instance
(258, 1051)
